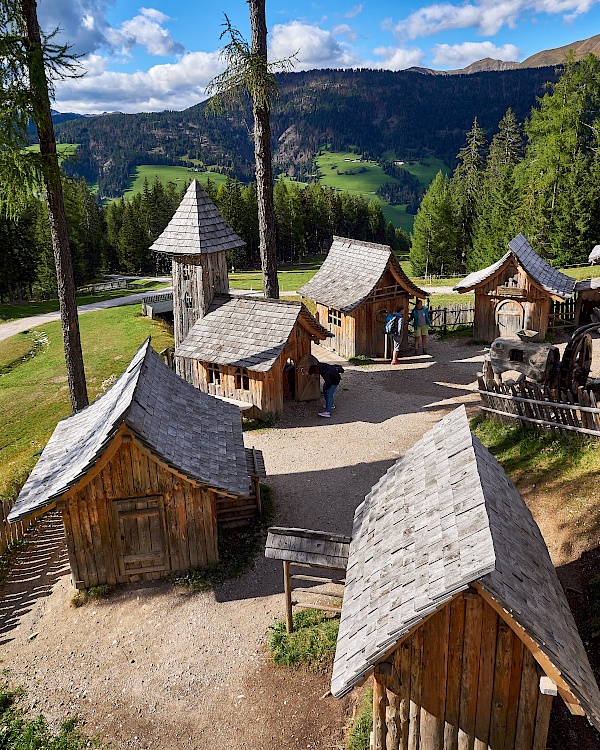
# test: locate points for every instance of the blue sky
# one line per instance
(156, 55)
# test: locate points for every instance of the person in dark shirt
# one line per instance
(331, 379)
(421, 322)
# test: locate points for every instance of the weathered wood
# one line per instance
(542, 722)
(379, 711)
(528, 698)
(470, 671)
(435, 676)
(455, 664)
(514, 691)
(287, 586)
(487, 659)
(500, 695)
(416, 674)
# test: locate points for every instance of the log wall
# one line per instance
(461, 681)
(535, 303)
(136, 520)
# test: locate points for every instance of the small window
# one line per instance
(334, 317)
(214, 374)
(242, 379)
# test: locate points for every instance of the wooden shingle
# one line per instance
(192, 432)
(351, 271)
(443, 518)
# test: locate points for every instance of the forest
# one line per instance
(540, 177)
(371, 111)
(118, 237)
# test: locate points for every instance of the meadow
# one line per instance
(34, 394)
(179, 175)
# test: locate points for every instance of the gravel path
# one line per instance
(158, 667)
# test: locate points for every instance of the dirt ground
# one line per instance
(158, 667)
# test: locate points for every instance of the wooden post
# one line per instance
(287, 585)
(379, 711)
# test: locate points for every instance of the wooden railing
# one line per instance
(535, 406)
(10, 532)
(563, 313)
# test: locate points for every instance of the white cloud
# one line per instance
(148, 33)
(82, 23)
(461, 55)
(353, 12)
(344, 30)
(316, 47)
(487, 16)
(396, 58)
(170, 86)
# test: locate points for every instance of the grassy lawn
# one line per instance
(64, 149)
(16, 310)
(311, 644)
(443, 300)
(289, 281)
(34, 395)
(178, 175)
(583, 272)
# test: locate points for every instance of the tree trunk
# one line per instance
(56, 208)
(262, 157)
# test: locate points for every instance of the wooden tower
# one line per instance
(197, 238)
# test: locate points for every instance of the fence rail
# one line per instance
(106, 286)
(10, 532)
(537, 406)
(451, 316)
(563, 313)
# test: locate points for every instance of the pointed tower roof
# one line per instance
(197, 227)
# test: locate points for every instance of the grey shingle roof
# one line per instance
(307, 547)
(444, 516)
(191, 431)
(587, 285)
(550, 279)
(351, 271)
(248, 332)
(196, 227)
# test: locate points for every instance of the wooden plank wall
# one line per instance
(187, 515)
(265, 388)
(535, 302)
(462, 681)
(11, 532)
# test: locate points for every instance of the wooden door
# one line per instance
(308, 386)
(510, 317)
(141, 535)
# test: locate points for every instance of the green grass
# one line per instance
(92, 594)
(64, 149)
(19, 732)
(361, 360)
(289, 281)
(179, 175)
(34, 396)
(362, 726)
(17, 310)
(583, 272)
(237, 550)
(443, 300)
(311, 644)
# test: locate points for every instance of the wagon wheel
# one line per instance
(576, 364)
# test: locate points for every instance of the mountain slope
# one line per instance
(374, 111)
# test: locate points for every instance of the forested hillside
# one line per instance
(375, 112)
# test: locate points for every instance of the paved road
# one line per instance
(24, 324)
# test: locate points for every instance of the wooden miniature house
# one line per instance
(453, 604)
(588, 297)
(251, 351)
(515, 293)
(144, 477)
(355, 289)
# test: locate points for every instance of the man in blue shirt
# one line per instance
(421, 322)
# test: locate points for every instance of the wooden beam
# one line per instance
(548, 686)
(551, 671)
(287, 586)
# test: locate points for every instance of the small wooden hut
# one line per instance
(251, 351)
(144, 476)
(588, 297)
(453, 604)
(515, 293)
(355, 289)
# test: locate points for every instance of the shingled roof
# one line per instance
(443, 517)
(550, 279)
(198, 435)
(595, 254)
(197, 227)
(248, 332)
(351, 271)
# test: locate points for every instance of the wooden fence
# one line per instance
(451, 316)
(106, 286)
(10, 532)
(536, 406)
(563, 313)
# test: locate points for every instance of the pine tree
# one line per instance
(434, 237)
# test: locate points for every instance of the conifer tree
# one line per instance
(434, 237)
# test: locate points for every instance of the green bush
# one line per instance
(312, 643)
(362, 726)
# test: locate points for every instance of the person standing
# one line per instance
(421, 322)
(331, 379)
(394, 327)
